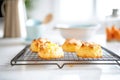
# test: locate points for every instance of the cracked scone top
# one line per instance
(50, 50)
(36, 43)
(70, 45)
(89, 50)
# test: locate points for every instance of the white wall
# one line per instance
(1, 27)
(44, 7)
(41, 9)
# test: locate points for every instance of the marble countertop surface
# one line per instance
(10, 47)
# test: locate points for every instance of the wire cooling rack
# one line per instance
(26, 57)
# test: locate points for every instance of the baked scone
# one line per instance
(50, 50)
(70, 45)
(89, 50)
(36, 43)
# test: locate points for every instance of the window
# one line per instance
(75, 10)
(104, 7)
(86, 10)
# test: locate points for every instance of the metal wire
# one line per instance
(27, 56)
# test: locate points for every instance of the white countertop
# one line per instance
(10, 47)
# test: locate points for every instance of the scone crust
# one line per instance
(36, 43)
(70, 45)
(89, 50)
(50, 51)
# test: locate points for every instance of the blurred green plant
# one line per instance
(28, 4)
(29, 7)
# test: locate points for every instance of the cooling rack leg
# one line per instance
(60, 66)
(118, 63)
(12, 63)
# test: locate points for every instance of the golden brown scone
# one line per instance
(89, 50)
(70, 45)
(36, 43)
(50, 51)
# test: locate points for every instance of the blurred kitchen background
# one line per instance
(42, 16)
